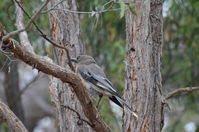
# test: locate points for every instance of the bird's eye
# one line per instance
(78, 59)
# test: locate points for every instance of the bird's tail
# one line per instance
(121, 102)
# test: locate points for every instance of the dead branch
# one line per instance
(103, 10)
(83, 12)
(66, 75)
(29, 22)
(181, 90)
(52, 7)
(79, 116)
(11, 119)
(23, 36)
(47, 38)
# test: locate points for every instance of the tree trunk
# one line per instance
(12, 90)
(65, 29)
(143, 82)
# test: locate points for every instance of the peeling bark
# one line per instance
(143, 82)
(65, 29)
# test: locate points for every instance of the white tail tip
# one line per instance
(134, 114)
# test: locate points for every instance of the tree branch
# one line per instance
(20, 25)
(47, 38)
(66, 75)
(11, 119)
(103, 10)
(29, 22)
(181, 90)
(79, 116)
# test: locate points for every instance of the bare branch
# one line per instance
(29, 22)
(11, 119)
(5, 62)
(66, 75)
(84, 12)
(52, 7)
(47, 38)
(103, 10)
(181, 90)
(20, 25)
(79, 116)
(61, 47)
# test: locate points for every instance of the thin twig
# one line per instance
(3, 33)
(181, 90)
(8, 56)
(61, 47)
(52, 7)
(84, 12)
(29, 22)
(107, 3)
(79, 116)
(4, 64)
(110, 3)
(23, 36)
(48, 39)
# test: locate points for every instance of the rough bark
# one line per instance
(12, 90)
(143, 82)
(65, 29)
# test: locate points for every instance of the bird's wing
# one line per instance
(95, 75)
(104, 83)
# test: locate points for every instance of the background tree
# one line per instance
(180, 59)
(143, 79)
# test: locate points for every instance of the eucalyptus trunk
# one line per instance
(65, 30)
(143, 83)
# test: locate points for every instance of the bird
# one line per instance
(97, 82)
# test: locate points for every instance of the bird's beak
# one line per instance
(74, 60)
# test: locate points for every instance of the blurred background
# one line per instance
(104, 38)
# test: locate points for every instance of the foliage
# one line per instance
(180, 58)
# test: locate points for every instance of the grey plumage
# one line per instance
(96, 80)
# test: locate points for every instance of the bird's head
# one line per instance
(83, 59)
